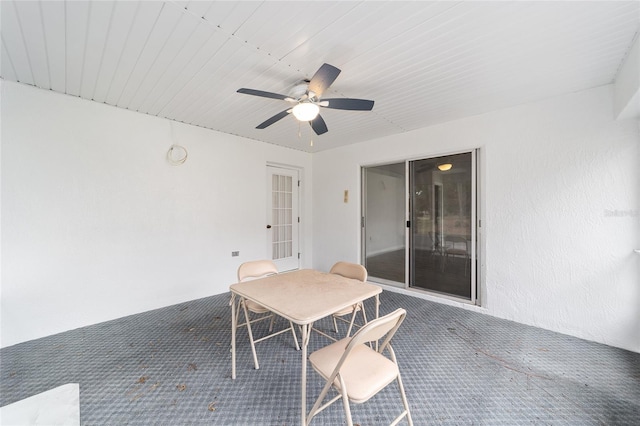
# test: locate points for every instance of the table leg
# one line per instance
(304, 330)
(377, 314)
(250, 333)
(234, 323)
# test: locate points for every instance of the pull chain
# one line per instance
(300, 134)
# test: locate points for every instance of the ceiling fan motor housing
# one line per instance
(299, 90)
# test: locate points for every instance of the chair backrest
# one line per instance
(349, 270)
(256, 269)
(385, 326)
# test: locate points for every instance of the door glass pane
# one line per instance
(282, 243)
(441, 214)
(385, 222)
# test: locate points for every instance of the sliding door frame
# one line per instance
(476, 234)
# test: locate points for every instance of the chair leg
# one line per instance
(404, 401)
(364, 318)
(322, 333)
(317, 406)
(253, 346)
(335, 324)
(295, 338)
(345, 404)
(353, 319)
(238, 309)
(273, 319)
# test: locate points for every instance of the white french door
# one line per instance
(283, 217)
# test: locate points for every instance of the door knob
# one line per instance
(268, 226)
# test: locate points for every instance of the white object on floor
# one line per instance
(59, 406)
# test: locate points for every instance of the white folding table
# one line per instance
(303, 297)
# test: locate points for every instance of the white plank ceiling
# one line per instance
(422, 62)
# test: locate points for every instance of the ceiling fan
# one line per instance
(307, 99)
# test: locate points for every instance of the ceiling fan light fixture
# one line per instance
(445, 166)
(306, 111)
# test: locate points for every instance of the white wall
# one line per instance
(560, 200)
(96, 224)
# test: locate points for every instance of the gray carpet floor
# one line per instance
(172, 366)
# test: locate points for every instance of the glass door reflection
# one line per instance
(442, 218)
(384, 223)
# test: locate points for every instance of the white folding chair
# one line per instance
(356, 370)
(357, 272)
(457, 247)
(250, 271)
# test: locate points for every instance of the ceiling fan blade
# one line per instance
(279, 116)
(323, 78)
(349, 104)
(318, 125)
(262, 94)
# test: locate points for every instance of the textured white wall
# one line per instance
(96, 224)
(626, 90)
(560, 209)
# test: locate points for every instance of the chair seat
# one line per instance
(255, 307)
(365, 373)
(461, 252)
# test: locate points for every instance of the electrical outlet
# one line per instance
(235, 253)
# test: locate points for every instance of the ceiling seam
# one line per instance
(164, 44)
(104, 48)
(152, 89)
(144, 46)
(315, 34)
(13, 68)
(190, 79)
(233, 35)
(117, 67)
(246, 19)
(24, 43)
(65, 46)
(625, 56)
(456, 4)
(84, 49)
(46, 47)
(194, 75)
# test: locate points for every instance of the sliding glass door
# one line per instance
(419, 224)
